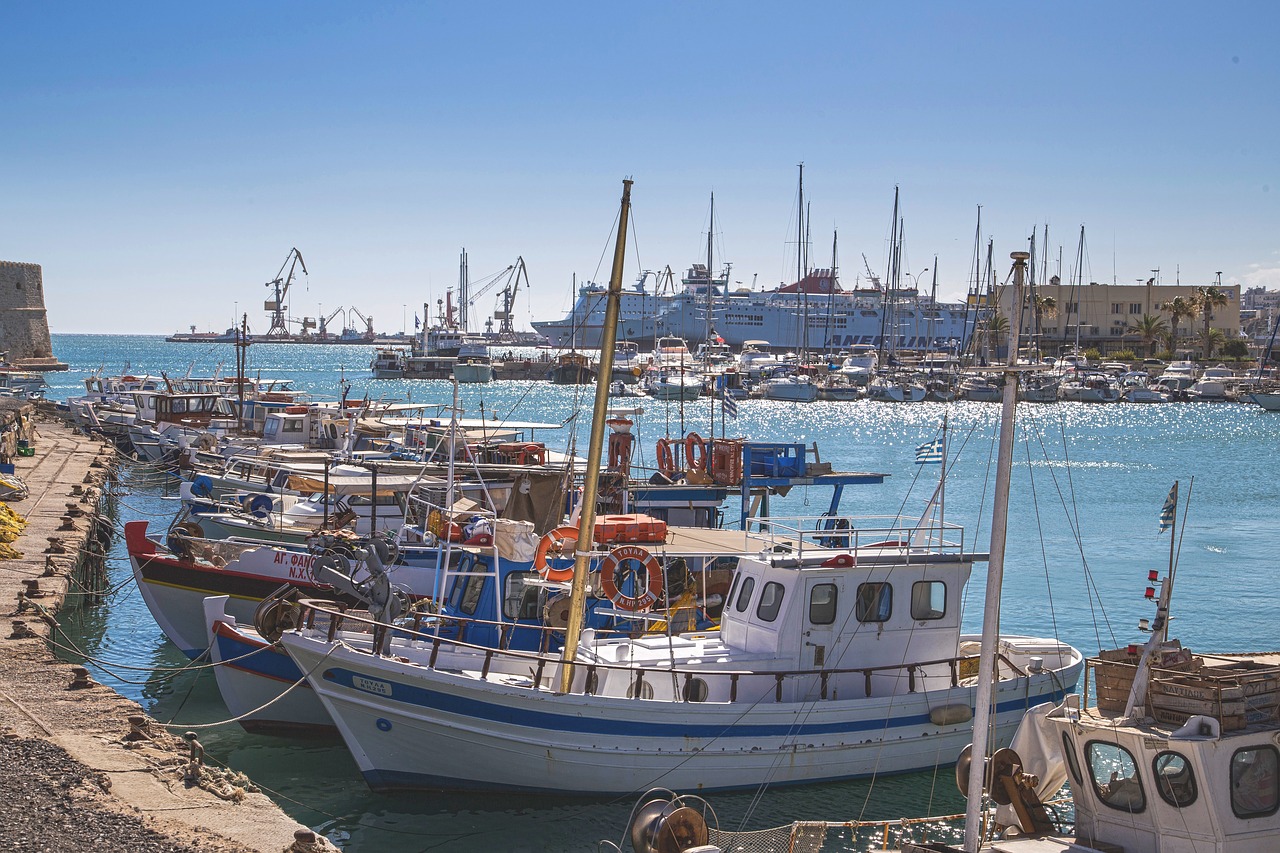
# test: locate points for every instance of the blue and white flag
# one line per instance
(729, 406)
(929, 453)
(1169, 508)
(417, 323)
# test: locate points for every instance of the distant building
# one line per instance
(24, 324)
(1101, 315)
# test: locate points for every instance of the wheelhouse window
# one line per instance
(770, 601)
(1175, 780)
(469, 599)
(744, 594)
(875, 602)
(1115, 777)
(519, 600)
(822, 604)
(1072, 764)
(928, 600)
(1254, 784)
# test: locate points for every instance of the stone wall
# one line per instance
(24, 325)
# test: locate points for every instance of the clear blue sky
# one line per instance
(159, 160)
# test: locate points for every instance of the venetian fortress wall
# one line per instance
(24, 324)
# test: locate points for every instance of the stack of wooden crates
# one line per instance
(1236, 691)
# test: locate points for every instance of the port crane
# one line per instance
(325, 321)
(281, 283)
(368, 321)
(504, 311)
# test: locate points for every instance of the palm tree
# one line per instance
(997, 326)
(1208, 298)
(1211, 339)
(1149, 330)
(1041, 307)
(1180, 308)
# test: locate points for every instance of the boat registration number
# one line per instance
(370, 685)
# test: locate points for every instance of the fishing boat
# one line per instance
(784, 384)
(388, 363)
(838, 655)
(473, 364)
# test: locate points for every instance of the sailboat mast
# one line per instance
(706, 337)
(985, 687)
(595, 445)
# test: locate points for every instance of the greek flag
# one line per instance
(1170, 507)
(728, 405)
(929, 453)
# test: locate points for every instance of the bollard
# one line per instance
(21, 631)
(80, 679)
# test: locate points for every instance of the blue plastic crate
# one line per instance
(775, 459)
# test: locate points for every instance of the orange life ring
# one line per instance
(666, 460)
(691, 441)
(532, 454)
(609, 578)
(555, 540)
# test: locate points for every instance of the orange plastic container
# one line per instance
(611, 529)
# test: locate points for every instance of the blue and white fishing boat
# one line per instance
(838, 655)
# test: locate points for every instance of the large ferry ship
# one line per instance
(814, 313)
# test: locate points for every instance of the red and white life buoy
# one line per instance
(556, 541)
(611, 568)
(695, 452)
(666, 460)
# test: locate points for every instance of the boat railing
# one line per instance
(797, 534)
(332, 620)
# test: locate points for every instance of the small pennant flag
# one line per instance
(929, 453)
(1169, 508)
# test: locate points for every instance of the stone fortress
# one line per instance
(24, 324)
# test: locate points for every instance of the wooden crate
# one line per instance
(1114, 671)
(1237, 694)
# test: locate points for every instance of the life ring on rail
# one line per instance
(697, 461)
(533, 454)
(666, 460)
(609, 571)
(556, 541)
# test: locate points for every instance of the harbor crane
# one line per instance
(325, 321)
(504, 311)
(368, 321)
(276, 305)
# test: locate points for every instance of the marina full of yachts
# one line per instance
(674, 371)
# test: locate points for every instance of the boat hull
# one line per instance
(499, 733)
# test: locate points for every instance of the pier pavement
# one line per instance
(83, 767)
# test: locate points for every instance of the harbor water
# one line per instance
(1089, 483)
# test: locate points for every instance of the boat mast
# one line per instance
(887, 295)
(984, 691)
(804, 312)
(591, 478)
(706, 337)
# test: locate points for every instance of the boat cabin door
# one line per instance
(820, 622)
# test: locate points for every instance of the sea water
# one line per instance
(1089, 483)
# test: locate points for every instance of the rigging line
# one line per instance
(1035, 508)
(1073, 519)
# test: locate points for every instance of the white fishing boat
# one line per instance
(860, 365)
(838, 655)
(793, 387)
(981, 389)
(1268, 400)
(474, 364)
(896, 388)
(1088, 387)
(388, 363)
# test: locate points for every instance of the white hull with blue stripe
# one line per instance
(829, 664)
